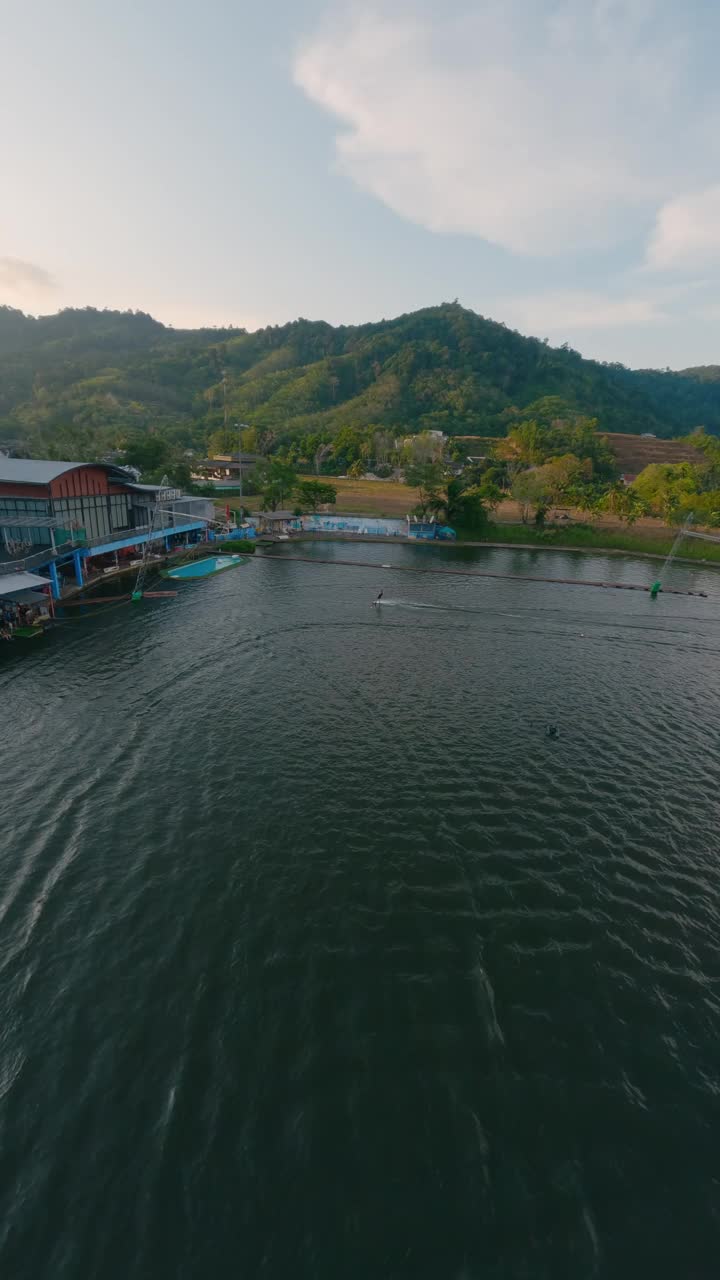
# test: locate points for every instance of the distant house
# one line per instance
(224, 468)
(627, 478)
(278, 522)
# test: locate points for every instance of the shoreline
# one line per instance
(592, 551)
(328, 536)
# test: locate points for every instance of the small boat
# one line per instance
(28, 633)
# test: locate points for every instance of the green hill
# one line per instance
(89, 376)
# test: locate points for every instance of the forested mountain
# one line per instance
(82, 379)
(704, 373)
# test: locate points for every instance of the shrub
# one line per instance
(246, 546)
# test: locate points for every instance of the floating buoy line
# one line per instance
(652, 590)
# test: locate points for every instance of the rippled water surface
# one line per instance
(320, 961)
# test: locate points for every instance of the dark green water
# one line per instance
(319, 961)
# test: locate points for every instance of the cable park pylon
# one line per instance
(683, 532)
(161, 497)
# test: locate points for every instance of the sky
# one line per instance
(553, 164)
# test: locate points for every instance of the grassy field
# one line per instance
(358, 497)
(634, 453)
(387, 498)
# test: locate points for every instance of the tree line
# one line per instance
(551, 458)
(78, 384)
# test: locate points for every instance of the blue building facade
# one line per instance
(65, 519)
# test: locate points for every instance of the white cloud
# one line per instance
(567, 311)
(687, 231)
(19, 279)
(541, 128)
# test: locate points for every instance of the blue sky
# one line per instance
(552, 163)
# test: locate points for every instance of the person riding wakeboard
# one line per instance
(376, 602)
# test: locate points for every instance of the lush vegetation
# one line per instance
(312, 494)
(557, 460)
(244, 546)
(685, 490)
(84, 382)
(277, 484)
(586, 538)
(582, 477)
(550, 456)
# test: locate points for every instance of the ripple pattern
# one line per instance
(318, 959)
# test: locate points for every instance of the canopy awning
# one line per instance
(12, 583)
(15, 520)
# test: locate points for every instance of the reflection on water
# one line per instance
(320, 959)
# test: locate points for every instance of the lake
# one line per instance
(320, 960)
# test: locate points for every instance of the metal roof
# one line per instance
(44, 470)
(11, 583)
(34, 470)
(276, 515)
(234, 457)
(228, 463)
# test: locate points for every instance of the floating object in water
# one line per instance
(486, 573)
(552, 731)
(27, 633)
(82, 601)
(656, 586)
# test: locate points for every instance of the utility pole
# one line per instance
(224, 387)
(240, 426)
